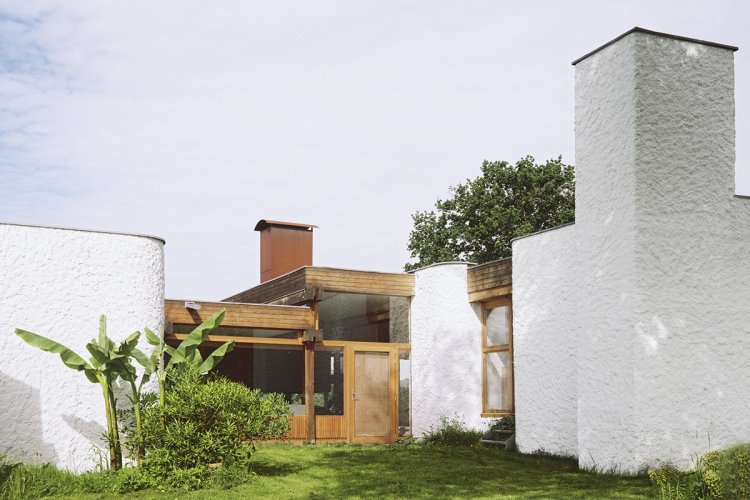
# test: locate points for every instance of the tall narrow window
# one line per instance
(497, 358)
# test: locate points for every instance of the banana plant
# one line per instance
(186, 352)
(108, 361)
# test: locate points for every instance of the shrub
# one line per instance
(207, 421)
(451, 432)
(507, 423)
(723, 474)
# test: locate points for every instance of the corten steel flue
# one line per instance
(284, 247)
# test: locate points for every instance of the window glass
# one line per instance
(497, 326)
(329, 381)
(404, 386)
(498, 381)
(268, 368)
(364, 318)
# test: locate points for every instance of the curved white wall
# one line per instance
(446, 350)
(546, 320)
(56, 282)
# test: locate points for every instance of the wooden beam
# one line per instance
(241, 315)
(491, 293)
(239, 340)
(490, 275)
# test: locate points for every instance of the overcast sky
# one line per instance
(192, 120)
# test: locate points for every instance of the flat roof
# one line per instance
(658, 33)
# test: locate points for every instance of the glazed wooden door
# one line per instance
(374, 395)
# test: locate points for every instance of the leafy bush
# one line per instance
(507, 423)
(207, 421)
(721, 474)
(451, 432)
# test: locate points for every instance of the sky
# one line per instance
(193, 120)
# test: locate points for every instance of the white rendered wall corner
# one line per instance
(673, 361)
(546, 320)
(650, 289)
(692, 295)
(56, 282)
(446, 350)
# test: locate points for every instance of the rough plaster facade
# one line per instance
(658, 313)
(446, 350)
(56, 282)
(544, 332)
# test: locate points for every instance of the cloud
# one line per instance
(191, 123)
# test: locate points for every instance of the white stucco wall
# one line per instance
(545, 326)
(692, 321)
(661, 322)
(56, 282)
(446, 351)
(606, 185)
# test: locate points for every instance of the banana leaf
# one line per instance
(215, 357)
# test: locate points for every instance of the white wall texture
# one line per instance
(662, 327)
(56, 282)
(545, 330)
(446, 349)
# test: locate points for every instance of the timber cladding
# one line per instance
(490, 280)
(331, 279)
(272, 289)
(241, 315)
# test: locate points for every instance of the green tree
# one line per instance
(482, 216)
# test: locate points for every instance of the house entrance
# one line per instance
(374, 396)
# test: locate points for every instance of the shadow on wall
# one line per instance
(21, 415)
(90, 429)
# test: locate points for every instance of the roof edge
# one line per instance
(263, 224)
(84, 230)
(542, 231)
(658, 33)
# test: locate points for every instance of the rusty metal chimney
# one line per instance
(284, 247)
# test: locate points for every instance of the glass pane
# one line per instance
(371, 390)
(268, 368)
(241, 332)
(499, 396)
(497, 325)
(329, 381)
(364, 318)
(404, 400)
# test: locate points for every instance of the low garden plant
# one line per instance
(451, 431)
(722, 474)
(208, 422)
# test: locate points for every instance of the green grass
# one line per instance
(347, 471)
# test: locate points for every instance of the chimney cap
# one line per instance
(667, 35)
(264, 224)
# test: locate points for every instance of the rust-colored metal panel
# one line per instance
(284, 247)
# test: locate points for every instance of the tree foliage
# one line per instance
(482, 216)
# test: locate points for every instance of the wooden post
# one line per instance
(310, 390)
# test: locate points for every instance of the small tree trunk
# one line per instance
(136, 400)
(113, 435)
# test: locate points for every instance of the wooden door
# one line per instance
(374, 398)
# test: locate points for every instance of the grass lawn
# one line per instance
(347, 471)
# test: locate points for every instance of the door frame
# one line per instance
(349, 353)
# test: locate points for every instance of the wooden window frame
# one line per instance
(486, 307)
